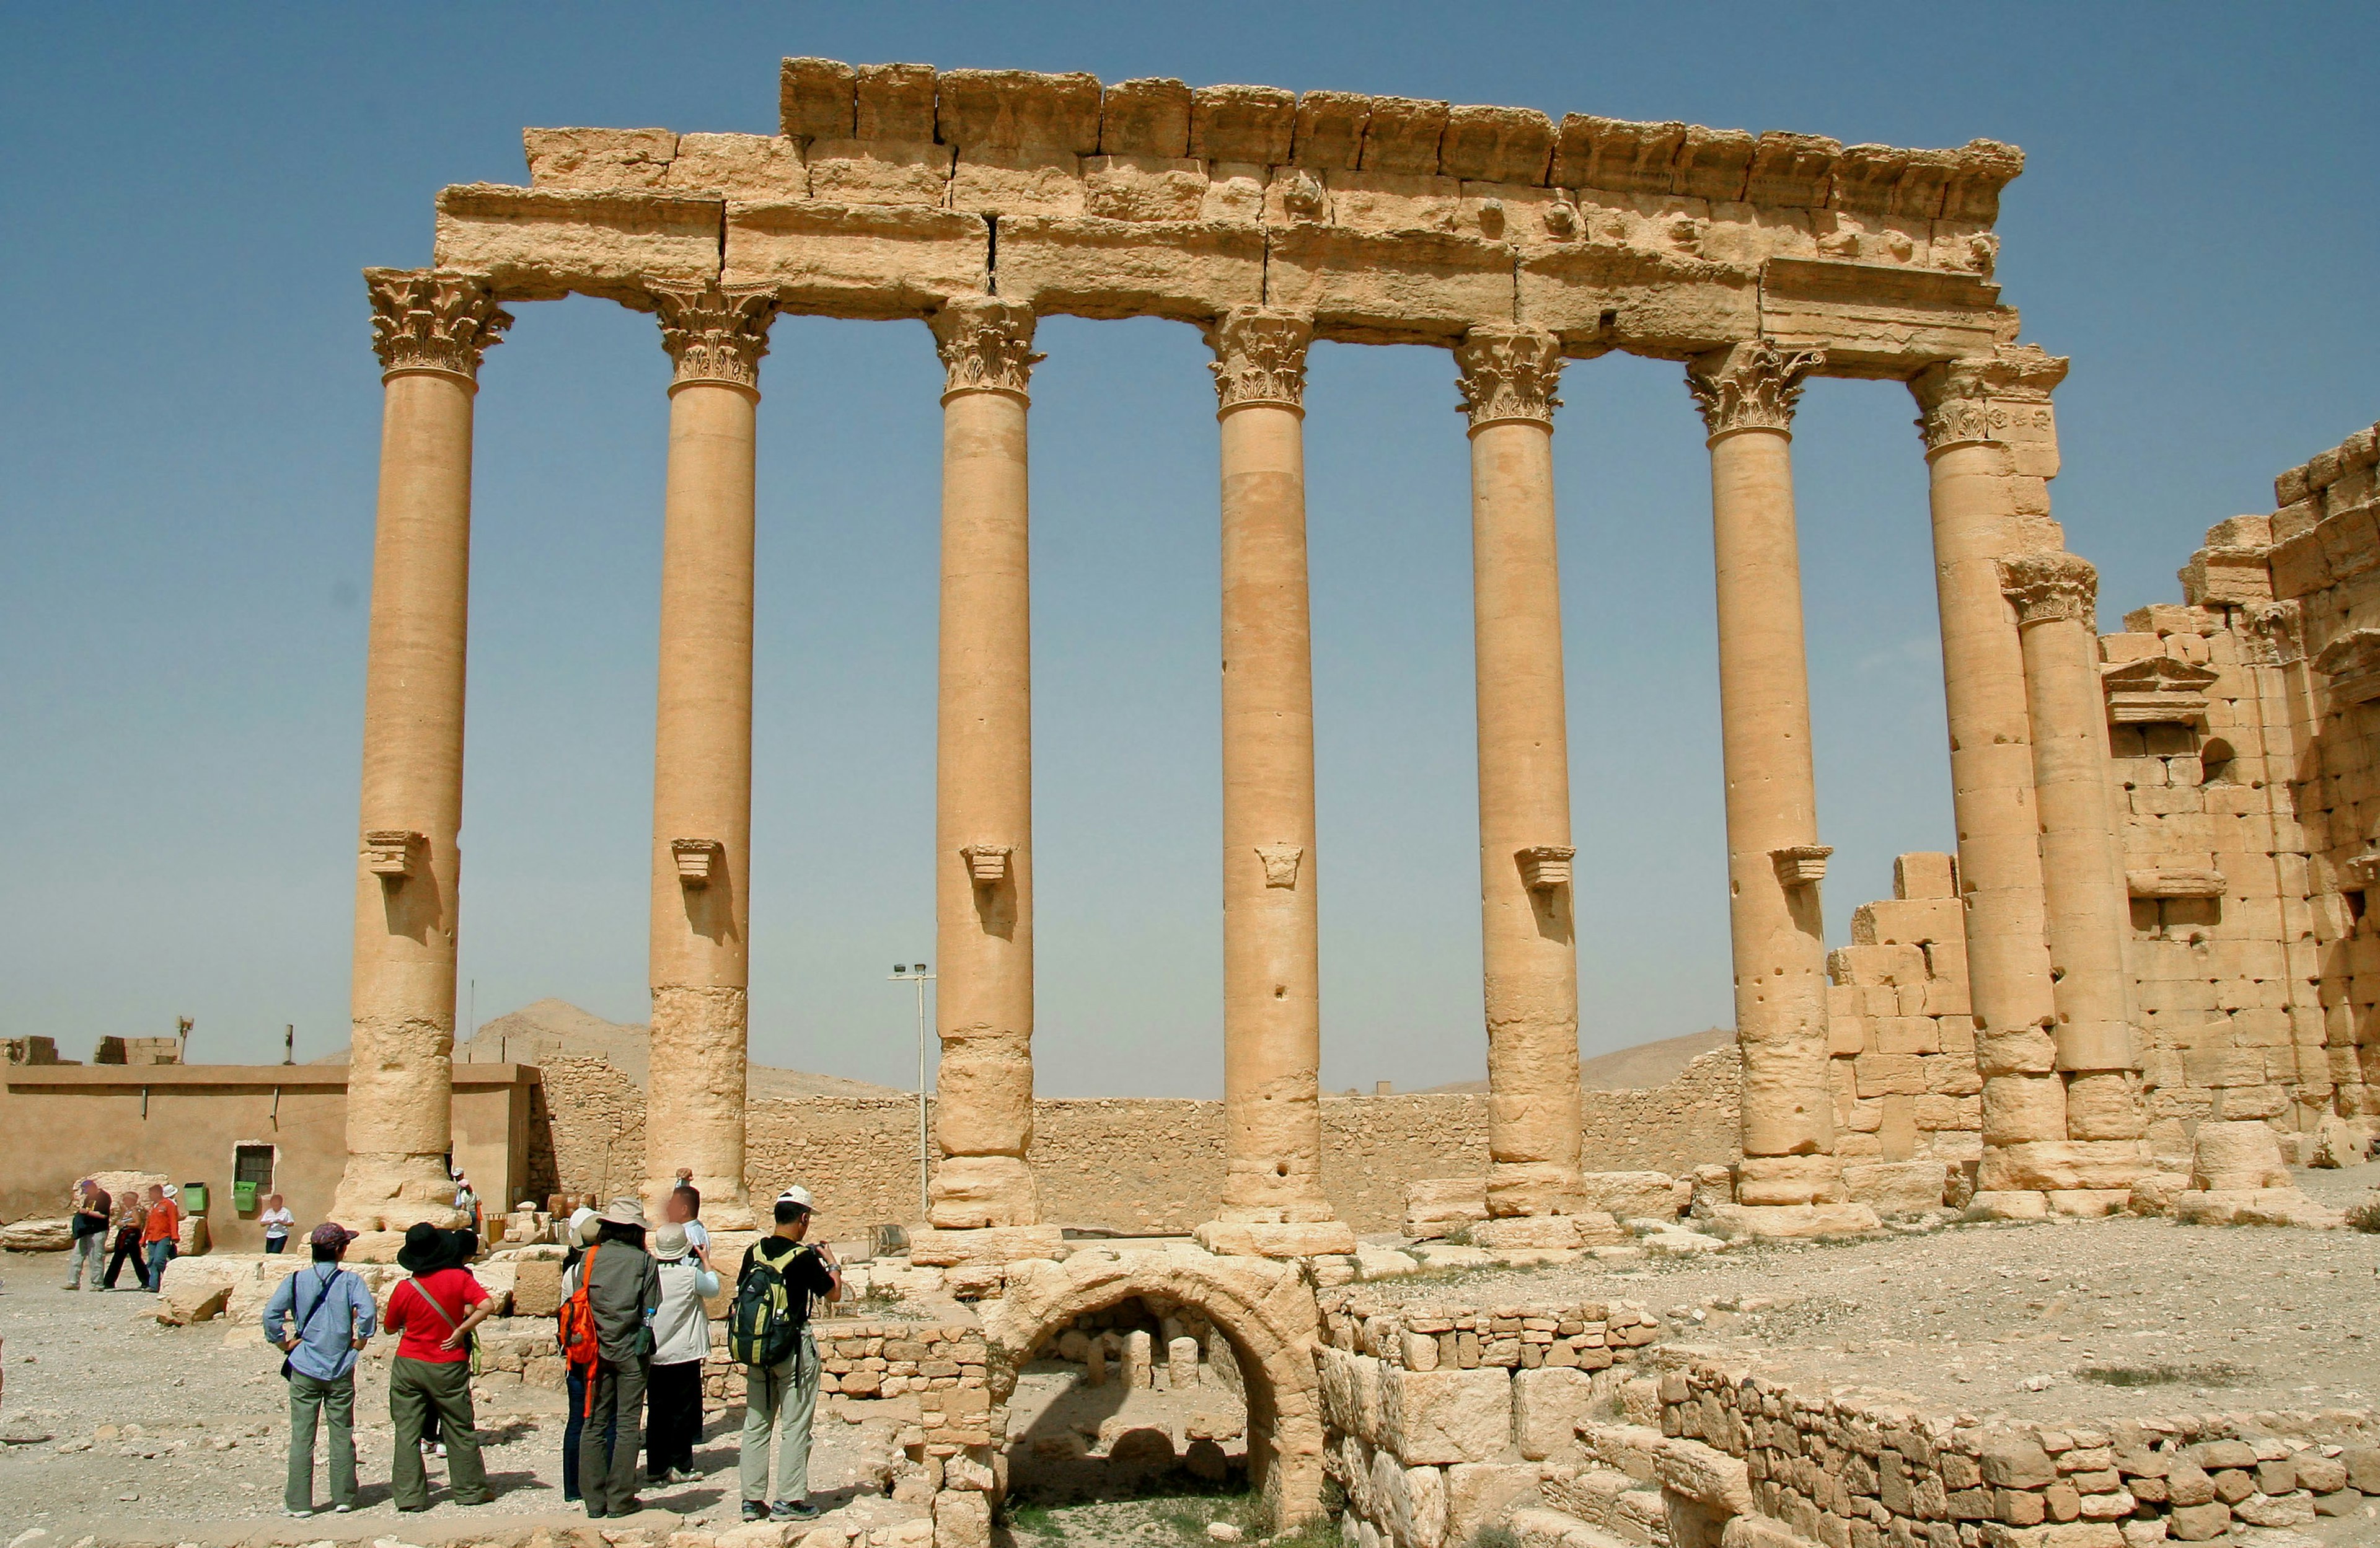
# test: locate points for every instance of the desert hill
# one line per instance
(552, 1029)
(1646, 1064)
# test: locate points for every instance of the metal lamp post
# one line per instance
(919, 975)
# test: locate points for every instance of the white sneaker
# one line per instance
(442, 1449)
(299, 1515)
(344, 1509)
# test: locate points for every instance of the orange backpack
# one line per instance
(580, 1341)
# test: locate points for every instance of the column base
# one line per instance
(1771, 1180)
(2008, 1203)
(930, 1247)
(1585, 1228)
(1290, 1239)
(972, 1192)
(389, 1192)
(1786, 1221)
(2047, 1166)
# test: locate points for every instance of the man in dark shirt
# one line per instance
(91, 1208)
(781, 1399)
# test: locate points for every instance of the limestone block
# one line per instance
(1908, 921)
(542, 244)
(1924, 874)
(1480, 1494)
(750, 166)
(990, 1245)
(894, 102)
(48, 1235)
(198, 1288)
(2062, 1163)
(537, 1289)
(1143, 188)
(1554, 1233)
(1704, 1473)
(1893, 1188)
(962, 1520)
(1435, 1206)
(1407, 286)
(1632, 1195)
(1297, 1238)
(1009, 109)
(1445, 1415)
(878, 171)
(1409, 1502)
(1789, 1180)
(1880, 314)
(817, 99)
(2253, 1206)
(2337, 1142)
(598, 158)
(1181, 1364)
(857, 260)
(1187, 269)
(1497, 144)
(1793, 1221)
(1547, 1403)
(1149, 117)
(2233, 1155)
(1242, 124)
(1023, 181)
(1656, 301)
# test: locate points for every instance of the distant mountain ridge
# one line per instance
(1634, 1068)
(552, 1029)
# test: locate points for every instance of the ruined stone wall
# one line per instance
(1901, 1027)
(2246, 765)
(1130, 1165)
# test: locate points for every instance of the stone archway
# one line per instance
(1264, 1306)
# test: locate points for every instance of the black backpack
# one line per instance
(764, 1324)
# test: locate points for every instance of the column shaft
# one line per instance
(1529, 953)
(429, 332)
(702, 753)
(1774, 859)
(983, 787)
(2087, 905)
(1272, 1026)
(1973, 486)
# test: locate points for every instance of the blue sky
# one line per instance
(190, 435)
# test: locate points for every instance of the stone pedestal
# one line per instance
(983, 780)
(1272, 1202)
(1747, 395)
(430, 329)
(1529, 953)
(1989, 446)
(702, 750)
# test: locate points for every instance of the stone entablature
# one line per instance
(892, 188)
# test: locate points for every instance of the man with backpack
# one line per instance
(319, 1317)
(769, 1332)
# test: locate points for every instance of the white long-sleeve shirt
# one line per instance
(682, 1330)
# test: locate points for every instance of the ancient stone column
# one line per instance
(1984, 423)
(429, 329)
(983, 785)
(1530, 957)
(2087, 904)
(702, 747)
(1272, 1013)
(1774, 860)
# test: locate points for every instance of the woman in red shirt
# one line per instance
(433, 1313)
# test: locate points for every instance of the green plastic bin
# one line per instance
(194, 1198)
(243, 1198)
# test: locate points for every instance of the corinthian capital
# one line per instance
(1509, 373)
(1259, 358)
(715, 332)
(2000, 396)
(425, 319)
(985, 344)
(2048, 586)
(1751, 386)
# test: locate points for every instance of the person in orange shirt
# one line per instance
(161, 1233)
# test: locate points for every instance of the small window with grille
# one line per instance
(253, 1165)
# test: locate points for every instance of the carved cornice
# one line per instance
(1509, 373)
(1259, 358)
(985, 344)
(2001, 396)
(2047, 587)
(1751, 386)
(716, 333)
(425, 319)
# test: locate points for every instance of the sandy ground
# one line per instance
(2049, 1320)
(199, 1450)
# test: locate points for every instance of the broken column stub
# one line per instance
(1272, 1200)
(430, 329)
(983, 790)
